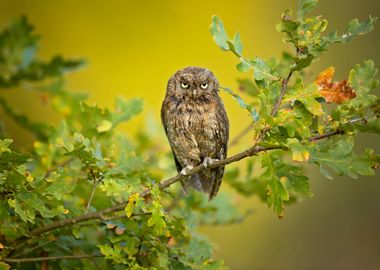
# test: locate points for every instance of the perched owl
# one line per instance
(196, 125)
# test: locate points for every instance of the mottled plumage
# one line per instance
(196, 125)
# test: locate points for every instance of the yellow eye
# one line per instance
(185, 85)
(204, 85)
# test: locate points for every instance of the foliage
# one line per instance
(87, 191)
(295, 116)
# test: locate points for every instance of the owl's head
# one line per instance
(193, 83)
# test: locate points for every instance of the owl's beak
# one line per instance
(194, 93)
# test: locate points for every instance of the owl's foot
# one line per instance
(207, 162)
(185, 171)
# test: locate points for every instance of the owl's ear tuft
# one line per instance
(170, 88)
(216, 85)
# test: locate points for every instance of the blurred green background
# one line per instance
(133, 47)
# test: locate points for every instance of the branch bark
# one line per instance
(51, 258)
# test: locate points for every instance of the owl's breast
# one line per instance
(199, 123)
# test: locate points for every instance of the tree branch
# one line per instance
(51, 258)
(102, 214)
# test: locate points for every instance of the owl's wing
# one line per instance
(164, 122)
(222, 135)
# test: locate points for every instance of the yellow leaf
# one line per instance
(301, 155)
(29, 178)
(131, 204)
(104, 126)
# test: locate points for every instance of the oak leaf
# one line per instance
(333, 92)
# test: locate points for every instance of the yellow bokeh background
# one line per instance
(133, 47)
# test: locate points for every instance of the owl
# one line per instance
(196, 126)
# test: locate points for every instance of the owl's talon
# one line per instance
(207, 162)
(185, 171)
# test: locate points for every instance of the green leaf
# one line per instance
(294, 181)
(115, 254)
(4, 266)
(354, 29)
(311, 104)
(277, 193)
(253, 113)
(243, 66)
(304, 62)
(199, 249)
(363, 80)
(288, 27)
(261, 70)
(9, 160)
(247, 86)
(362, 77)
(338, 154)
(20, 211)
(235, 45)
(307, 96)
(156, 219)
(222, 40)
(4, 145)
(305, 7)
(218, 33)
(126, 109)
(283, 180)
(276, 196)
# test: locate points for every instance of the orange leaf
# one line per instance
(333, 92)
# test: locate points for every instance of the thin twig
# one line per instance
(51, 258)
(284, 85)
(241, 135)
(326, 135)
(124, 216)
(94, 183)
(55, 167)
(34, 248)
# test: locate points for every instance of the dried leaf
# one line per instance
(333, 92)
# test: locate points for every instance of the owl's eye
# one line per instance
(204, 85)
(185, 85)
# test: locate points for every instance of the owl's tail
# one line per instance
(207, 181)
